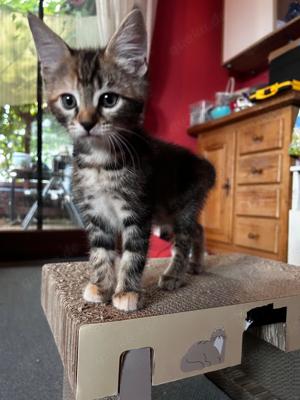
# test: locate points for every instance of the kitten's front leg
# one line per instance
(135, 238)
(102, 261)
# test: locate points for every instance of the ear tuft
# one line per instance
(51, 49)
(128, 45)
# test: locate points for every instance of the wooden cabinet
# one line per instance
(261, 134)
(260, 201)
(247, 211)
(257, 233)
(259, 168)
(217, 216)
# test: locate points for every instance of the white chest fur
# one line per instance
(101, 190)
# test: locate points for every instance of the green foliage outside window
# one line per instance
(294, 149)
(52, 7)
(12, 136)
(18, 122)
(18, 134)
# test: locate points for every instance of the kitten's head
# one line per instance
(95, 92)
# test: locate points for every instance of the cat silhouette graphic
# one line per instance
(205, 353)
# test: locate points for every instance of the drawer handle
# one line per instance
(256, 171)
(253, 236)
(257, 138)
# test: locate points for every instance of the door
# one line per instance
(217, 216)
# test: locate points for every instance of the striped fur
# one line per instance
(124, 180)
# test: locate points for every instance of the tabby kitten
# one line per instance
(125, 181)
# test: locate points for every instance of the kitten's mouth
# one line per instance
(92, 134)
(95, 138)
(97, 133)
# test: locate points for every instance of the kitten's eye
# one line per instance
(108, 100)
(68, 101)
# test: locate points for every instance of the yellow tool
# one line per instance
(271, 90)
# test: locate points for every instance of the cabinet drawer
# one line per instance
(257, 233)
(260, 201)
(264, 168)
(261, 134)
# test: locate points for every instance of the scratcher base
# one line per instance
(196, 329)
(69, 395)
(266, 373)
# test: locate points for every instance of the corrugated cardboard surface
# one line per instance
(170, 323)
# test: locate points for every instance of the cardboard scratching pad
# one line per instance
(194, 330)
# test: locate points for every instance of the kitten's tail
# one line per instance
(208, 173)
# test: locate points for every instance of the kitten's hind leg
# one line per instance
(172, 278)
(196, 262)
(102, 262)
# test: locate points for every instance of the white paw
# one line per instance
(126, 301)
(91, 293)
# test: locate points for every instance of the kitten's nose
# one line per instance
(88, 125)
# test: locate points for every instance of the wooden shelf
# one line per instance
(284, 99)
(255, 58)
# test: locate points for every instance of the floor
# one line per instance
(30, 367)
(6, 225)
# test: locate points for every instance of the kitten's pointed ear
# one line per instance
(51, 49)
(128, 46)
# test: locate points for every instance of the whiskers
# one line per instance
(142, 137)
(120, 143)
(119, 148)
